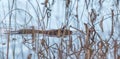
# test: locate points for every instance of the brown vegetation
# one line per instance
(89, 19)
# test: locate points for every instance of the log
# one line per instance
(53, 32)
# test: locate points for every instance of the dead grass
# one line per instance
(93, 46)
